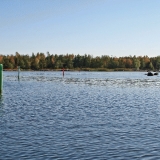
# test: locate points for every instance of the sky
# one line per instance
(115, 28)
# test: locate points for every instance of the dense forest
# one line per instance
(41, 61)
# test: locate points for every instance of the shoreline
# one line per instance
(83, 69)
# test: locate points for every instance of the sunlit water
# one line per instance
(83, 115)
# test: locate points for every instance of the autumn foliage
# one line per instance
(41, 61)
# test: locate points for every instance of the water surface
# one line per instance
(83, 115)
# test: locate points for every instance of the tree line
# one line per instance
(41, 61)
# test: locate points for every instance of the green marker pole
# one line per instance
(1, 78)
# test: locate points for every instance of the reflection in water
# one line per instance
(1, 106)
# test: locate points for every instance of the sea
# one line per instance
(80, 116)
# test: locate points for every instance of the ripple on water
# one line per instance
(79, 118)
(92, 81)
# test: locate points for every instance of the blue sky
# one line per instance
(96, 27)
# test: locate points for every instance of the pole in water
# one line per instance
(1, 78)
(18, 71)
(63, 72)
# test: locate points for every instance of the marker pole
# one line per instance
(63, 72)
(18, 71)
(1, 78)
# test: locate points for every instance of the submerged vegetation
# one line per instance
(41, 61)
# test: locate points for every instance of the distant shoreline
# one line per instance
(84, 69)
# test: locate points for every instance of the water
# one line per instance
(83, 115)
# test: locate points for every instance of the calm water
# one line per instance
(85, 115)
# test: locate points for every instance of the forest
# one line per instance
(41, 61)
